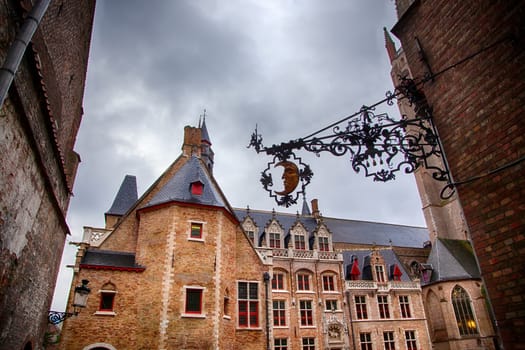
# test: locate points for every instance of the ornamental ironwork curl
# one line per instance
(56, 317)
(377, 145)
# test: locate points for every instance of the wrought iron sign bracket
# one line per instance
(377, 145)
(56, 317)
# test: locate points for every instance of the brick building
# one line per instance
(474, 51)
(178, 268)
(39, 121)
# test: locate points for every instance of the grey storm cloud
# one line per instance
(289, 66)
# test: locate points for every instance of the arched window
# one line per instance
(463, 310)
(107, 299)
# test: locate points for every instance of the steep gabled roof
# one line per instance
(205, 137)
(452, 259)
(126, 196)
(178, 187)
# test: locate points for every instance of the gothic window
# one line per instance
(360, 307)
(248, 304)
(306, 313)
(384, 310)
(279, 313)
(463, 310)
(404, 304)
(251, 236)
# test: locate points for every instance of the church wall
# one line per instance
(450, 338)
(477, 108)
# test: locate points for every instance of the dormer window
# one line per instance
(380, 273)
(299, 242)
(324, 245)
(196, 188)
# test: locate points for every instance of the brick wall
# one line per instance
(35, 179)
(477, 109)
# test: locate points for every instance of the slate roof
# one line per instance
(204, 132)
(178, 187)
(108, 258)
(363, 259)
(346, 231)
(126, 196)
(452, 259)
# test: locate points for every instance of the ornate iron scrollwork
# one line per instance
(56, 317)
(377, 144)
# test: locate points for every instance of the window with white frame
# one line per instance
(306, 312)
(275, 240)
(107, 299)
(388, 340)
(280, 344)
(384, 309)
(299, 242)
(324, 244)
(278, 281)
(365, 340)
(248, 304)
(328, 283)
(193, 301)
(196, 231)
(404, 304)
(380, 273)
(279, 313)
(360, 307)
(308, 344)
(410, 338)
(303, 281)
(331, 305)
(251, 236)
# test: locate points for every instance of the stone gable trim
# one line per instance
(112, 268)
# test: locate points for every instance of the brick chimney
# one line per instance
(315, 209)
(192, 142)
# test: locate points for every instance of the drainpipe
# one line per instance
(266, 278)
(18, 47)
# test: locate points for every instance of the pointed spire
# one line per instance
(205, 137)
(126, 196)
(306, 209)
(390, 45)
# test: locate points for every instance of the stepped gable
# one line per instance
(126, 196)
(109, 260)
(178, 188)
(388, 255)
(452, 259)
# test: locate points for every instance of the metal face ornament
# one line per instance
(290, 177)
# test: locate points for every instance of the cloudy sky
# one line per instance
(289, 66)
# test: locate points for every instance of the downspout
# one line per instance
(18, 47)
(266, 278)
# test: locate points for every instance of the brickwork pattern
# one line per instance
(477, 108)
(34, 194)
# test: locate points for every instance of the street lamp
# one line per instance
(79, 301)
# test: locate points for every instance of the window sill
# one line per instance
(193, 315)
(196, 239)
(305, 291)
(249, 329)
(306, 327)
(280, 327)
(330, 292)
(226, 317)
(105, 313)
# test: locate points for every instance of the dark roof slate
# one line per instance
(346, 231)
(109, 258)
(452, 259)
(178, 187)
(204, 132)
(126, 196)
